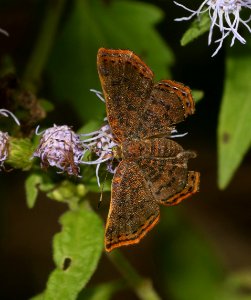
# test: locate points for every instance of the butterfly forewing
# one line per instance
(127, 83)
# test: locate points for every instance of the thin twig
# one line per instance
(141, 286)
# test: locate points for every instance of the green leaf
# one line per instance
(196, 29)
(234, 134)
(76, 252)
(93, 24)
(31, 189)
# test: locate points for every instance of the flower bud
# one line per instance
(60, 147)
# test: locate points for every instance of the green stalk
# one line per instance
(141, 286)
(43, 45)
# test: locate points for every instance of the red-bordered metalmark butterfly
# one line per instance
(153, 170)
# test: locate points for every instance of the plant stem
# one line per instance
(44, 43)
(141, 286)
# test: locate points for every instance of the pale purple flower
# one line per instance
(61, 147)
(225, 15)
(4, 148)
(4, 137)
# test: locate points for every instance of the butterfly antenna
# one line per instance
(102, 189)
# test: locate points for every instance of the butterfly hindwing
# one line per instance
(170, 103)
(171, 182)
(133, 209)
(163, 163)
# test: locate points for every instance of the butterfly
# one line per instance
(153, 168)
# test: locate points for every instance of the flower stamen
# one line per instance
(102, 144)
(6, 113)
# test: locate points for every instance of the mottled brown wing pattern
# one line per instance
(164, 165)
(126, 82)
(133, 210)
(153, 172)
(170, 103)
(168, 179)
(191, 187)
(136, 107)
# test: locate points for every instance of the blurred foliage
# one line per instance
(185, 249)
(237, 286)
(90, 25)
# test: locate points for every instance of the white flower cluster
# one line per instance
(224, 15)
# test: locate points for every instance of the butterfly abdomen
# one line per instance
(150, 148)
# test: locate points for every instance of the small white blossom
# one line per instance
(60, 147)
(225, 15)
